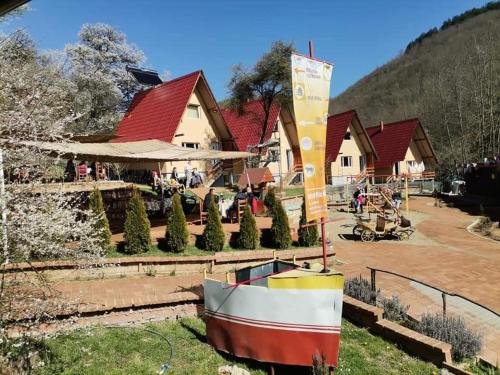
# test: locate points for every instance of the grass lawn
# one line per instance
(291, 192)
(133, 351)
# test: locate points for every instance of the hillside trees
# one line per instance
(451, 82)
(97, 66)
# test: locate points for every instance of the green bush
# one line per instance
(270, 200)
(137, 234)
(360, 289)
(308, 236)
(280, 229)
(176, 233)
(464, 342)
(101, 225)
(249, 233)
(213, 235)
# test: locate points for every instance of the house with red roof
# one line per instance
(403, 148)
(182, 111)
(350, 153)
(277, 141)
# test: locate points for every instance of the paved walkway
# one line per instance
(442, 253)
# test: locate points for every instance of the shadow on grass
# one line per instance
(251, 364)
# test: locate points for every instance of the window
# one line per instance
(347, 135)
(411, 163)
(191, 145)
(346, 161)
(193, 111)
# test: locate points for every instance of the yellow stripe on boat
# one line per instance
(327, 281)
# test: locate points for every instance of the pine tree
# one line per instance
(213, 234)
(137, 227)
(270, 200)
(280, 229)
(249, 233)
(308, 236)
(176, 234)
(101, 225)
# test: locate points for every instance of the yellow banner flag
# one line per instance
(311, 95)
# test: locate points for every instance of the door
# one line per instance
(396, 168)
(289, 160)
(362, 163)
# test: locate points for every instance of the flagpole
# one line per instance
(323, 223)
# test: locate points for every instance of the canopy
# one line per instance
(130, 152)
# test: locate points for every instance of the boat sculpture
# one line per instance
(276, 312)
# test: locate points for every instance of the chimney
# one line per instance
(381, 126)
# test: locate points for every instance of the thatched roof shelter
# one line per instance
(129, 152)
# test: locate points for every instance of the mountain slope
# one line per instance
(450, 79)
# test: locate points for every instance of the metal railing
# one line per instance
(444, 293)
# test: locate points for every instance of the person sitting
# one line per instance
(174, 176)
(209, 199)
(101, 172)
(241, 195)
(69, 171)
(156, 180)
(82, 171)
(196, 180)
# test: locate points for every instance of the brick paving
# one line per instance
(452, 259)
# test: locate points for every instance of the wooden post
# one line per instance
(227, 277)
(407, 200)
(443, 295)
(372, 277)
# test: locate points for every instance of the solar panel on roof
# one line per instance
(145, 77)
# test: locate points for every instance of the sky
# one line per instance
(178, 36)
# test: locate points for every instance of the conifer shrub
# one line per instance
(176, 234)
(249, 233)
(308, 236)
(101, 225)
(213, 235)
(280, 229)
(270, 201)
(137, 233)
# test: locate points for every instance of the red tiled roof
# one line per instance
(393, 142)
(247, 127)
(337, 126)
(157, 112)
(256, 176)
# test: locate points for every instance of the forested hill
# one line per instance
(449, 78)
